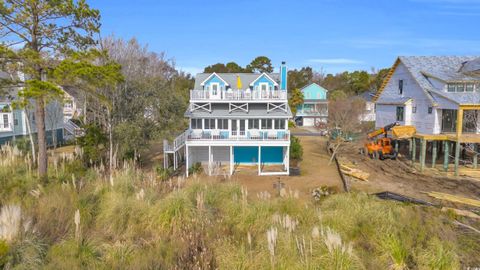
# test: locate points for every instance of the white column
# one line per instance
(231, 160)
(210, 160)
(286, 124)
(259, 159)
(288, 160)
(174, 160)
(186, 160)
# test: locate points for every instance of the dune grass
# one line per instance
(143, 222)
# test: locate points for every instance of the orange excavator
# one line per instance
(382, 147)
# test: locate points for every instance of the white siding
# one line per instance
(423, 121)
(221, 154)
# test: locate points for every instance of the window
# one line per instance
(400, 87)
(430, 110)
(253, 123)
(266, 123)
(451, 88)
(414, 109)
(460, 87)
(400, 113)
(209, 124)
(279, 123)
(15, 121)
(470, 87)
(222, 123)
(215, 87)
(196, 123)
(264, 86)
(5, 121)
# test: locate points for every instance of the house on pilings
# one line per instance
(440, 96)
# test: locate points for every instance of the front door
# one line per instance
(238, 127)
(215, 92)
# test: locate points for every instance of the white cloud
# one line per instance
(335, 61)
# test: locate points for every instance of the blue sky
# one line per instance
(327, 35)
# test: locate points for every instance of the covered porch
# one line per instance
(226, 159)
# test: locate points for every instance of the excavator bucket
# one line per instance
(403, 132)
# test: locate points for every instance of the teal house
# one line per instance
(314, 110)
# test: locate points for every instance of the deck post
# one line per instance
(410, 147)
(414, 149)
(231, 160)
(446, 155)
(457, 156)
(434, 153)
(396, 146)
(288, 160)
(210, 160)
(259, 159)
(475, 156)
(423, 152)
(186, 160)
(174, 160)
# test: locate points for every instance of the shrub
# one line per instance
(296, 149)
(94, 144)
(163, 173)
(3, 253)
(196, 168)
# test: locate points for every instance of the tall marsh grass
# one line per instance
(82, 219)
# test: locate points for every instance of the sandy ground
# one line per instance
(314, 172)
(401, 177)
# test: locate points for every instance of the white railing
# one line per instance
(178, 142)
(249, 135)
(238, 95)
(73, 128)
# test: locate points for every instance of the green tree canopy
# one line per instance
(299, 78)
(296, 98)
(45, 30)
(260, 64)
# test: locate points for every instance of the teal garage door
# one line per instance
(272, 154)
(245, 154)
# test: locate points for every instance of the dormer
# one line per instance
(264, 82)
(214, 82)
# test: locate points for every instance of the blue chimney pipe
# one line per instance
(283, 76)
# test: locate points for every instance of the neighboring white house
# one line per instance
(72, 105)
(369, 113)
(235, 119)
(432, 93)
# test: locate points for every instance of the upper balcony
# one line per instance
(238, 95)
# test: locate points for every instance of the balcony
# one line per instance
(238, 95)
(226, 135)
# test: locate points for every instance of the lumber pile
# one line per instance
(454, 198)
(353, 172)
(464, 213)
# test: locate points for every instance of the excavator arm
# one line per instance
(381, 131)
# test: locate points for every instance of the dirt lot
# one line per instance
(400, 177)
(314, 172)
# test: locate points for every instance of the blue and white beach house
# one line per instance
(236, 119)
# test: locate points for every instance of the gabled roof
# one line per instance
(212, 75)
(231, 78)
(261, 75)
(313, 84)
(444, 68)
